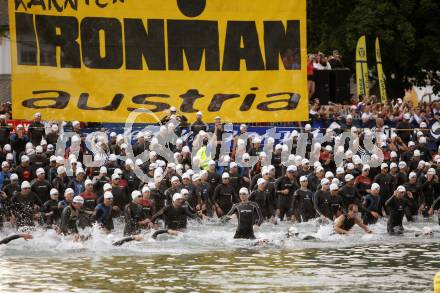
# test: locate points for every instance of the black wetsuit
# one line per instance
(303, 207)
(314, 182)
(158, 198)
(120, 198)
(132, 181)
(4, 208)
(430, 190)
(235, 180)
(193, 197)
(148, 208)
(5, 131)
(248, 214)
(214, 179)
(396, 209)
(169, 194)
(285, 200)
(23, 208)
(89, 201)
(36, 132)
(436, 206)
(9, 239)
(336, 205)
(51, 206)
(60, 183)
(264, 199)
(225, 196)
(69, 218)
(349, 195)
(322, 203)
(387, 185)
(205, 192)
(10, 189)
(348, 223)
(41, 189)
(414, 202)
(175, 218)
(134, 213)
(98, 184)
(254, 180)
(371, 204)
(401, 178)
(88, 208)
(104, 216)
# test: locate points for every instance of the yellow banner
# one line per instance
(380, 74)
(363, 87)
(101, 60)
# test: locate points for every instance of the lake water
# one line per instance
(207, 259)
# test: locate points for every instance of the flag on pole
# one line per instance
(380, 74)
(362, 85)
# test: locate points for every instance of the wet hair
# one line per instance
(351, 206)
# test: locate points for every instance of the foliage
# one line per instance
(409, 32)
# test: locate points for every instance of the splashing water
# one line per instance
(206, 257)
(212, 235)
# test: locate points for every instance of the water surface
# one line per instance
(207, 259)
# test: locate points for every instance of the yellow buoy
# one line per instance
(437, 283)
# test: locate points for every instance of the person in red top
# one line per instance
(90, 199)
(147, 204)
(325, 157)
(363, 182)
(386, 152)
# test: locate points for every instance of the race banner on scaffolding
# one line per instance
(99, 61)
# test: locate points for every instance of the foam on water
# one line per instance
(208, 236)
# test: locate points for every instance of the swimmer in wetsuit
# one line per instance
(135, 217)
(175, 216)
(69, 216)
(303, 202)
(248, 214)
(396, 208)
(293, 233)
(345, 222)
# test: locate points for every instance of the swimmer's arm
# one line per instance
(9, 239)
(251, 197)
(158, 214)
(232, 211)
(64, 220)
(366, 205)
(15, 236)
(98, 214)
(127, 215)
(359, 222)
(259, 214)
(128, 239)
(229, 215)
(390, 201)
(338, 224)
(190, 214)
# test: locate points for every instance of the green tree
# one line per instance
(409, 31)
